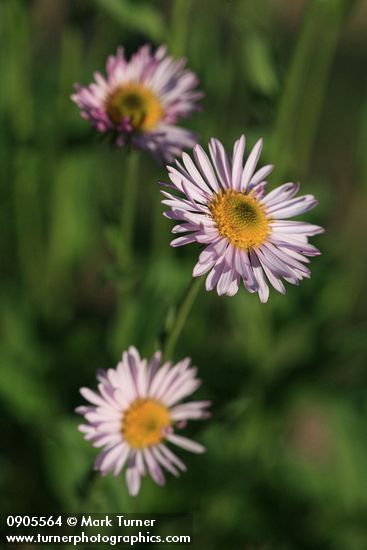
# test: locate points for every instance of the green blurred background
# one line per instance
(286, 461)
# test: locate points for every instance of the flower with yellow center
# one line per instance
(135, 105)
(240, 218)
(135, 413)
(222, 204)
(140, 101)
(145, 423)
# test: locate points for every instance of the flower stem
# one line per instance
(128, 210)
(182, 313)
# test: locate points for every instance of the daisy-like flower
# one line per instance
(140, 101)
(246, 232)
(134, 415)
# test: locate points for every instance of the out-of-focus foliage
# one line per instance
(286, 465)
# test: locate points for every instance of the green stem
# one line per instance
(182, 313)
(128, 211)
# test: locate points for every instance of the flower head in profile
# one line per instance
(135, 413)
(223, 205)
(141, 100)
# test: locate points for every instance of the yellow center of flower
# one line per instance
(240, 218)
(145, 422)
(137, 103)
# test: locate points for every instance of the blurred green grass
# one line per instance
(287, 447)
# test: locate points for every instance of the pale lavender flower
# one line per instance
(245, 232)
(141, 100)
(135, 413)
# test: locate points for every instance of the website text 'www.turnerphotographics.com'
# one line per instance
(111, 529)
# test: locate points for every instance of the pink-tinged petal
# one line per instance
(294, 254)
(237, 167)
(214, 275)
(206, 168)
(181, 241)
(247, 272)
(106, 439)
(206, 235)
(229, 255)
(92, 397)
(126, 386)
(191, 406)
(152, 369)
(142, 379)
(100, 458)
(183, 228)
(183, 383)
(260, 175)
(154, 469)
(214, 250)
(178, 178)
(122, 399)
(190, 192)
(234, 286)
(292, 207)
(106, 427)
(189, 415)
(85, 428)
(158, 379)
(285, 258)
(101, 375)
(291, 226)
(220, 161)
(133, 356)
(121, 460)
(172, 457)
(266, 257)
(84, 409)
(158, 455)
(185, 443)
(179, 204)
(102, 414)
(107, 392)
(282, 193)
(133, 480)
(109, 458)
(196, 176)
(225, 281)
(259, 275)
(173, 396)
(176, 377)
(190, 217)
(202, 268)
(273, 280)
(296, 244)
(250, 165)
(139, 463)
